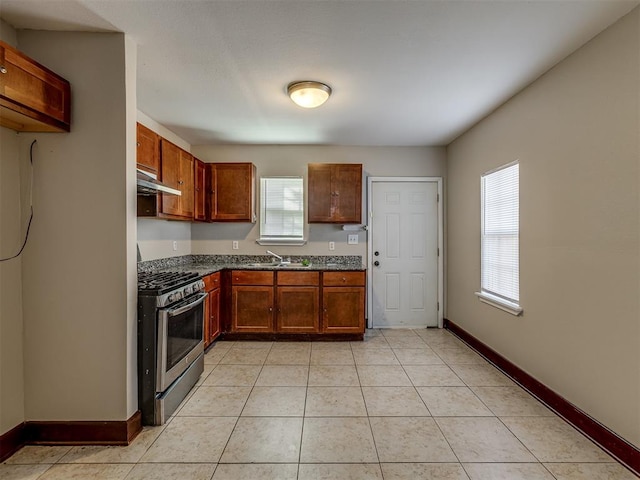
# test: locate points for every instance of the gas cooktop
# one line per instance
(157, 283)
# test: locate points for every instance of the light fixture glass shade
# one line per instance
(308, 94)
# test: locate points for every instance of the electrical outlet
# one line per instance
(352, 239)
(175, 245)
(332, 245)
(235, 245)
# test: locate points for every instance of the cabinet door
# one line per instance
(343, 309)
(335, 193)
(170, 175)
(148, 149)
(346, 185)
(177, 172)
(199, 191)
(35, 98)
(185, 184)
(320, 196)
(252, 309)
(232, 192)
(214, 314)
(298, 310)
(206, 327)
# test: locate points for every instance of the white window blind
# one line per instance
(281, 208)
(500, 235)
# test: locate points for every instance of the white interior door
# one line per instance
(404, 261)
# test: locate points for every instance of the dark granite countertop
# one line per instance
(207, 264)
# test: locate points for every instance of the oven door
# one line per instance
(180, 338)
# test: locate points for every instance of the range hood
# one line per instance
(149, 185)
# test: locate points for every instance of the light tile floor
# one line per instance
(402, 404)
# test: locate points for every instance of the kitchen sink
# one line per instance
(278, 264)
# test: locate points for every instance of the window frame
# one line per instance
(280, 240)
(495, 299)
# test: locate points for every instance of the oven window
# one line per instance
(184, 332)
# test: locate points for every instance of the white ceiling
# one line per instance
(402, 72)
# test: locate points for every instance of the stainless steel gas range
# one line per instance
(170, 341)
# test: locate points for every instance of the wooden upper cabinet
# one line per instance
(199, 194)
(335, 193)
(177, 172)
(32, 97)
(231, 192)
(186, 184)
(147, 149)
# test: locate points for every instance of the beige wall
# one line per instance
(14, 202)
(292, 160)
(13, 210)
(79, 268)
(156, 237)
(575, 132)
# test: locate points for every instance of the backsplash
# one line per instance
(169, 262)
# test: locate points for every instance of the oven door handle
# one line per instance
(187, 307)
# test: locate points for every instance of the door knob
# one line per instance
(376, 263)
(376, 253)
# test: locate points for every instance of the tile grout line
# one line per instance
(243, 407)
(366, 409)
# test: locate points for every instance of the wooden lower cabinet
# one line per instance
(291, 302)
(343, 309)
(298, 302)
(343, 297)
(298, 310)
(212, 309)
(252, 308)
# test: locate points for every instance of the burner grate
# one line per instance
(148, 281)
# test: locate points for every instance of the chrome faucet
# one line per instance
(282, 260)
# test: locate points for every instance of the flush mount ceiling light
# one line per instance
(308, 94)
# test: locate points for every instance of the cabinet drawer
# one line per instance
(298, 278)
(249, 277)
(211, 281)
(333, 279)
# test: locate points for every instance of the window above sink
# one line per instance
(281, 211)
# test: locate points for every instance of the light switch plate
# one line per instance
(352, 239)
(175, 245)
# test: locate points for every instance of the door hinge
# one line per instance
(437, 197)
(438, 251)
(438, 306)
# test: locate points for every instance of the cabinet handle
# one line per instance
(270, 309)
(344, 279)
(137, 143)
(3, 69)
